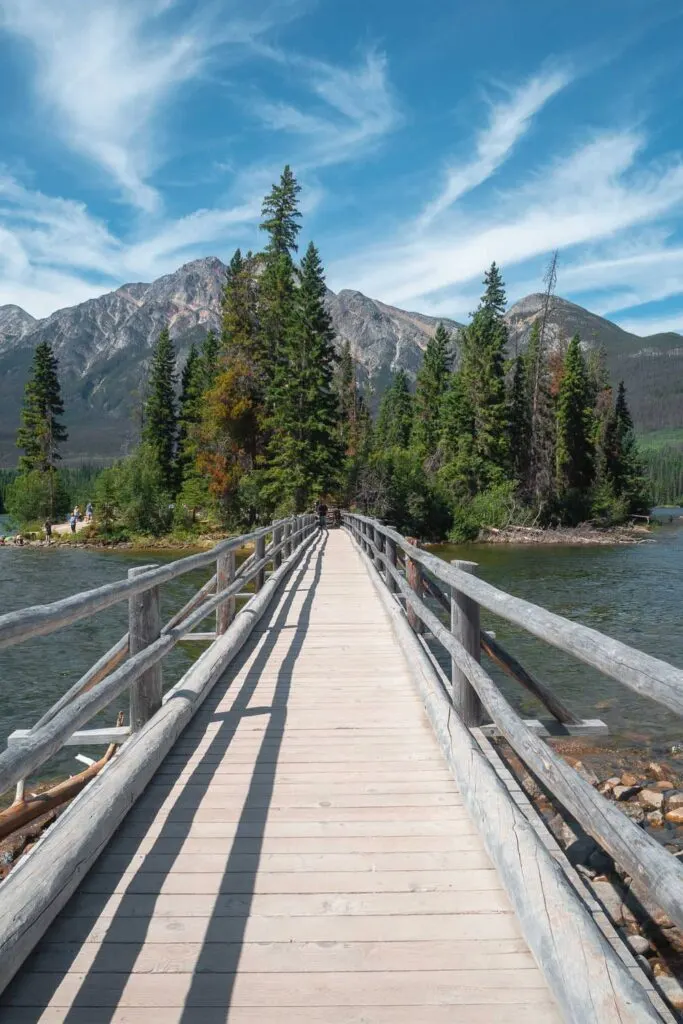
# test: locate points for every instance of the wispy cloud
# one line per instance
(355, 108)
(594, 193)
(509, 120)
(53, 252)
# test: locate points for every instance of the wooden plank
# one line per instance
(520, 1013)
(276, 883)
(172, 928)
(499, 988)
(300, 845)
(283, 957)
(296, 861)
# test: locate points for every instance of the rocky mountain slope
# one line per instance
(103, 346)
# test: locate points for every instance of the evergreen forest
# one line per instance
(267, 416)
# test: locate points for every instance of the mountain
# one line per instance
(651, 367)
(103, 346)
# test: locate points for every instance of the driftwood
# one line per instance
(648, 676)
(25, 811)
(586, 976)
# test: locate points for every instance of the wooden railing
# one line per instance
(410, 574)
(134, 663)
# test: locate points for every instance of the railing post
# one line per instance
(260, 551)
(225, 575)
(465, 627)
(378, 539)
(287, 534)
(390, 549)
(277, 557)
(415, 581)
(144, 627)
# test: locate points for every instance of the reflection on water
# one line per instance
(34, 674)
(633, 593)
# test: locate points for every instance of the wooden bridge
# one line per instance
(312, 825)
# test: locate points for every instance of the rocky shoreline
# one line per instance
(651, 794)
(579, 536)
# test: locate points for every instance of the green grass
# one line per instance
(661, 438)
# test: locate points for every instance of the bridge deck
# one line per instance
(302, 855)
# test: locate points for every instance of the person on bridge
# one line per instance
(321, 512)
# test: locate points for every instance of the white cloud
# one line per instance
(358, 110)
(509, 120)
(644, 326)
(593, 194)
(54, 253)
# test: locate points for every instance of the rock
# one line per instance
(663, 786)
(609, 784)
(656, 770)
(635, 812)
(639, 905)
(674, 800)
(581, 851)
(672, 990)
(651, 799)
(638, 944)
(655, 819)
(675, 816)
(625, 792)
(610, 899)
(644, 965)
(629, 779)
(674, 936)
(586, 773)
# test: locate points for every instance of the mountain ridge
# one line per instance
(104, 344)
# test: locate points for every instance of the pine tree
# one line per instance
(355, 423)
(483, 344)
(305, 450)
(519, 426)
(538, 484)
(278, 278)
(395, 418)
(432, 382)
(460, 470)
(630, 475)
(574, 453)
(192, 386)
(42, 431)
(208, 359)
(161, 424)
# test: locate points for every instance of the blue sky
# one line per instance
(429, 139)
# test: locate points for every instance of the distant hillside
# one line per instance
(104, 345)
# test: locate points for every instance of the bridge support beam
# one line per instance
(466, 628)
(225, 574)
(144, 627)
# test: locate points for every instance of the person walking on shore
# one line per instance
(47, 526)
(73, 521)
(88, 512)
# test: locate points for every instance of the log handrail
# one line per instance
(647, 675)
(108, 679)
(42, 619)
(652, 867)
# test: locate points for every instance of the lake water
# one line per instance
(632, 593)
(33, 675)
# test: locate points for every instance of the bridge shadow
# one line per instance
(210, 995)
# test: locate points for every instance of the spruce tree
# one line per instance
(483, 344)
(539, 482)
(160, 428)
(305, 451)
(41, 431)
(519, 426)
(574, 453)
(395, 419)
(432, 382)
(277, 282)
(460, 469)
(208, 359)
(192, 386)
(630, 475)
